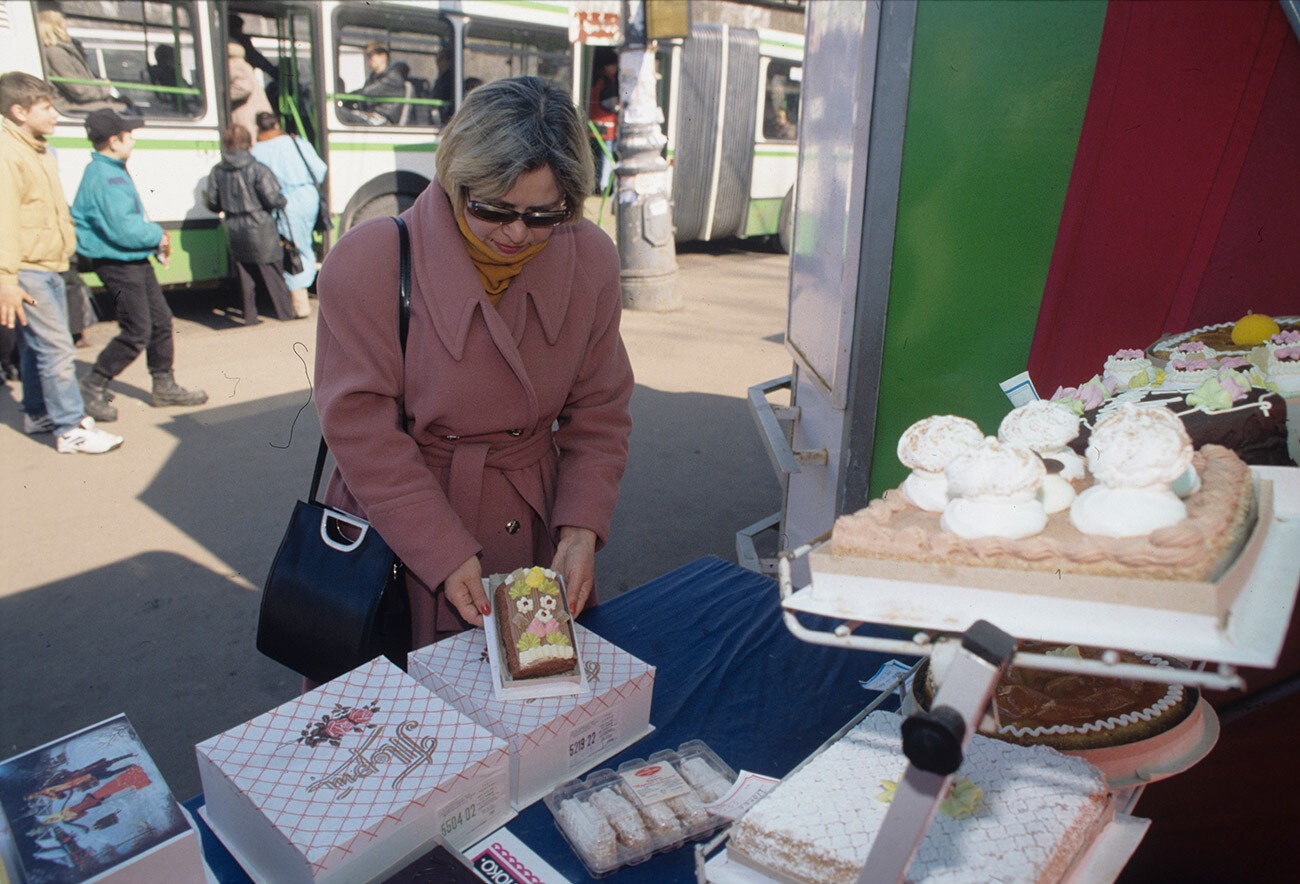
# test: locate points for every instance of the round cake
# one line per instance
(1217, 337)
(1073, 712)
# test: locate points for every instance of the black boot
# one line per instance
(167, 392)
(95, 397)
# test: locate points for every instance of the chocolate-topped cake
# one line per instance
(1255, 428)
(533, 624)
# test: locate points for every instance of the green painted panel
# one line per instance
(198, 254)
(764, 217)
(997, 99)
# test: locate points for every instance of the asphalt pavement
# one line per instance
(131, 580)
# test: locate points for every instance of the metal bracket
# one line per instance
(785, 459)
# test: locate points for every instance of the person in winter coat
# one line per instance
(384, 80)
(247, 193)
(247, 96)
(114, 234)
(65, 61)
(300, 172)
(499, 440)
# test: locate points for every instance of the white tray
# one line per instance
(1251, 634)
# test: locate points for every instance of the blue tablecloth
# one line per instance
(729, 673)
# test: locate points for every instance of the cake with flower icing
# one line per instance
(1283, 364)
(1218, 337)
(533, 624)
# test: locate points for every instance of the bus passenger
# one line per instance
(515, 383)
(247, 192)
(247, 97)
(299, 171)
(65, 61)
(163, 72)
(384, 80)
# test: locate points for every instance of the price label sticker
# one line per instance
(655, 782)
(590, 739)
(748, 788)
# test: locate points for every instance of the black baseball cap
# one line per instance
(104, 124)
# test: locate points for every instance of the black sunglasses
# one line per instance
(500, 215)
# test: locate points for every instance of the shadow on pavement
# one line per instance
(157, 636)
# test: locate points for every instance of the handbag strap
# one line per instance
(403, 326)
(293, 139)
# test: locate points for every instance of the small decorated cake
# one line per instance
(533, 624)
(1071, 711)
(1130, 368)
(1028, 813)
(1283, 365)
(993, 492)
(1190, 363)
(926, 448)
(1135, 455)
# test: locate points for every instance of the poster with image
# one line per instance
(84, 804)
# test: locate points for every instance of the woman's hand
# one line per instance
(575, 560)
(464, 588)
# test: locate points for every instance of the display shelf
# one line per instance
(1249, 633)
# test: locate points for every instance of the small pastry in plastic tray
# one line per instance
(615, 818)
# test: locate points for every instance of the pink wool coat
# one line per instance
(482, 471)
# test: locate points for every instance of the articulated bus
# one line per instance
(167, 61)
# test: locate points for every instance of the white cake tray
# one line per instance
(1251, 634)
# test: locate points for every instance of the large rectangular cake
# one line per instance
(1219, 517)
(1037, 811)
(352, 779)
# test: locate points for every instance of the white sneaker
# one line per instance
(42, 424)
(85, 439)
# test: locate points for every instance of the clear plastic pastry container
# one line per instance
(615, 818)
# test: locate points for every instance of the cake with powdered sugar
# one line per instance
(1037, 811)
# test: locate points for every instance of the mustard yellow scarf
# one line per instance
(494, 270)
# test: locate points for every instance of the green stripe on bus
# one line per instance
(420, 147)
(142, 144)
(197, 256)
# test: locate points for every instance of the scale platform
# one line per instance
(1239, 621)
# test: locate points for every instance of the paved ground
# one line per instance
(131, 580)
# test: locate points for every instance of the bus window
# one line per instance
(393, 69)
(493, 51)
(133, 57)
(278, 47)
(781, 100)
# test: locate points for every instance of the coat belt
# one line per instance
(470, 459)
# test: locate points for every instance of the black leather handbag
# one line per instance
(292, 257)
(334, 597)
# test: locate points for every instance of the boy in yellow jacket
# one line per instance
(36, 240)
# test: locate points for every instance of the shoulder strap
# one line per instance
(403, 326)
(293, 139)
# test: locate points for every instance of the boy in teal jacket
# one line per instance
(114, 234)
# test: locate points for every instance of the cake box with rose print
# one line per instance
(352, 780)
(551, 739)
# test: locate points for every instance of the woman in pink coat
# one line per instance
(515, 385)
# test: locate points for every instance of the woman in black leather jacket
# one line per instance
(247, 193)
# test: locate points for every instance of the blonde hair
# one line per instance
(508, 127)
(52, 27)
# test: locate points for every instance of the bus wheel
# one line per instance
(383, 206)
(785, 224)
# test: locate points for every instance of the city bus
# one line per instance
(167, 61)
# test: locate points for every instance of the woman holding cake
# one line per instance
(500, 440)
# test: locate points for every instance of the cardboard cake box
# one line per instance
(551, 739)
(92, 806)
(352, 780)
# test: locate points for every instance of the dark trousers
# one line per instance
(144, 320)
(272, 284)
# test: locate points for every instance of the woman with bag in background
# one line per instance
(247, 193)
(499, 440)
(299, 170)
